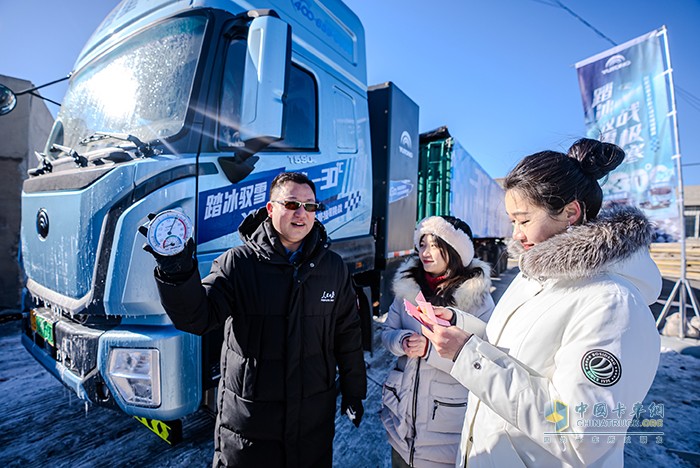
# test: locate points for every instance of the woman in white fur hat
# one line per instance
(423, 406)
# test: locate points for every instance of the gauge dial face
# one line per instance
(169, 231)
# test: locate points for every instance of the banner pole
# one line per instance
(682, 286)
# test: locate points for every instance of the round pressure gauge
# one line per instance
(169, 231)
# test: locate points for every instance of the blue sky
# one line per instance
(499, 73)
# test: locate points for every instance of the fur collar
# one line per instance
(468, 296)
(584, 251)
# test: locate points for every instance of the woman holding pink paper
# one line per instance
(572, 348)
(423, 406)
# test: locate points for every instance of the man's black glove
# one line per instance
(177, 266)
(353, 409)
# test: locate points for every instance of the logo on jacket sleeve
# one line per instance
(601, 367)
(328, 296)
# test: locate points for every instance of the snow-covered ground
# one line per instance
(43, 424)
(677, 387)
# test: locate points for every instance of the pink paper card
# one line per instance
(413, 312)
(427, 308)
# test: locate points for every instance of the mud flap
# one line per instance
(169, 431)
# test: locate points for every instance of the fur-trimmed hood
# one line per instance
(611, 242)
(468, 296)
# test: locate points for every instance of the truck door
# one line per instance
(244, 114)
(249, 86)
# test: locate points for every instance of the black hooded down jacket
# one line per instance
(287, 326)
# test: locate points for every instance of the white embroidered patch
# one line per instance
(328, 296)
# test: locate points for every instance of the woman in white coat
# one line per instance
(572, 347)
(423, 406)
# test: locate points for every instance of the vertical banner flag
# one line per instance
(626, 100)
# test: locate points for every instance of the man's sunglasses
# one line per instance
(294, 205)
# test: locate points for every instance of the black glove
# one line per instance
(178, 266)
(353, 409)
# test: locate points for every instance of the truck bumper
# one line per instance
(58, 370)
(79, 357)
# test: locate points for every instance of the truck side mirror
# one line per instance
(8, 100)
(265, 78)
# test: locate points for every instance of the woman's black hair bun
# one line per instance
(597, 158)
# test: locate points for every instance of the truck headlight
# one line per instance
(136, 375)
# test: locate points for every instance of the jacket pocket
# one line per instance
(448, 406)
(394, 404)
(391, 392)
(447, 416)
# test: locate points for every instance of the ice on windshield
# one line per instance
(142, 87)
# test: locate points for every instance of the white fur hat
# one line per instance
(444, 227)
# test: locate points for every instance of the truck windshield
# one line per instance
(141, 87)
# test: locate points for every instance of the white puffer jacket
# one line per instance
(573, 327)
(423, 406)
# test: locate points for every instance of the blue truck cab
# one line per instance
(197, 105)
(194, 105)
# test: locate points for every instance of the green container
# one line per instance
(434, 175)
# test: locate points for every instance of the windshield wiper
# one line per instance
(143, 150)
(80, 161)
(45, 165)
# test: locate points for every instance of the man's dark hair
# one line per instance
(296, 177)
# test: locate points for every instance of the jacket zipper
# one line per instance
(414, 410)
(438, 403)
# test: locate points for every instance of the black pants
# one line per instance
(397, 461)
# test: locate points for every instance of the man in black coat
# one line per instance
(291, 318)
